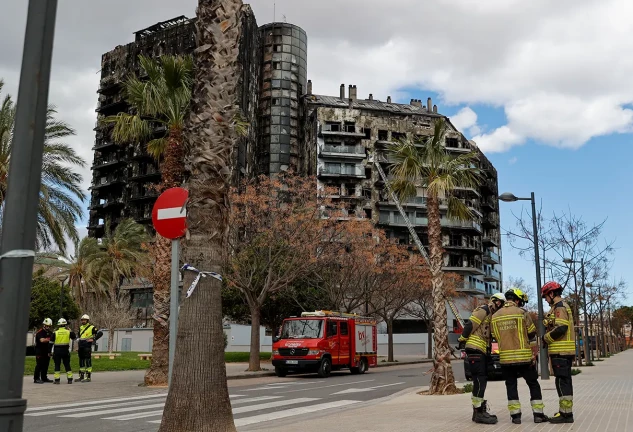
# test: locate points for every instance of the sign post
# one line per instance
(169, 217)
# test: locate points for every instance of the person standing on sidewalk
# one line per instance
(61, 349)
(513, 328)
(43, 352)
(476, 339)
(87, 335)
(562, 348)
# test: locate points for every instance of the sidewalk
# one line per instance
(603, 401)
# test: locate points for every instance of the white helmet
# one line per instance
(498, 296)
(85, 316)
(61, 322)
(48, 322)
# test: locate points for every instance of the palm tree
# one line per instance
(121, 255)
(163, 98)
(199, 373)
(430, 166)
(61, 197)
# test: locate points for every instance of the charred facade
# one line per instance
(348, 134)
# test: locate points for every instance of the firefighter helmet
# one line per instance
(85, 316)
(550, 287)
(62, 322)
(48, 322)
(515, 292)
(498, 296)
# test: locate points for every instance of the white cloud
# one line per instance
(465, 119)
(513, 160)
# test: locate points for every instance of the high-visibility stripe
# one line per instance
(474, 319)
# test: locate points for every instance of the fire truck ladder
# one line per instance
(414, 235)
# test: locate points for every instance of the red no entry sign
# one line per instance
(169, 215)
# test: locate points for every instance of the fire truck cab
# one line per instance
(323, 341)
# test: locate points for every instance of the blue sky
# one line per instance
(591, 181)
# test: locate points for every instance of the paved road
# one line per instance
(257, 404)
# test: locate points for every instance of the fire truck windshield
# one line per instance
(302, 329)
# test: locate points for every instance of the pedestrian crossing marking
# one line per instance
(96, 402)
(112, 411)
(268, 405)
(245, 421)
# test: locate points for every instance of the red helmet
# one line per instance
(549, 287)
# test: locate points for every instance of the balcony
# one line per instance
(106, 103)
(470, 190)
(492, 275)
(139, 175)
(448, 223)
(108, 181)
(491, 220)
(491, 258)
(464, 245)
(149, 194)
(343, 151)
(474, 286)
(101, 144)
(356, 172)
(490, 203)
(491, 185)
(491, 237)
(471, 267)
(342, 133)
(106, 162)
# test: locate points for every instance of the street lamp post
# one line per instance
(584, 300)
(508, 197)
(601, 332)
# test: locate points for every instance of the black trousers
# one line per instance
(60, 357)
(478, 363)
(511, 374)
(85, 358)
(41, 367)
(562, 371)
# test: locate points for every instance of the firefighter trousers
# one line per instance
(562, 371)
(527, 371)
(478, 363)
(85, 359)
(41, 367)
(60, 357)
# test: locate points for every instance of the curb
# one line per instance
(404, 363)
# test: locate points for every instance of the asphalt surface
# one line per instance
(258, 404)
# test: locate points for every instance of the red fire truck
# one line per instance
(323, 341)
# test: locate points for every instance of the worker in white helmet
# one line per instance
(42, 352)
(88, 334)
(61, 349)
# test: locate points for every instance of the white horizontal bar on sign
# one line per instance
(292, 412)
(113, 411)
(94, 402)
(171, 213)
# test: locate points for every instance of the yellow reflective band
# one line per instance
(531, 328)
(514, 406)
(474, 319)
(562, 321)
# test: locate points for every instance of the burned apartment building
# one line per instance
(348, 134)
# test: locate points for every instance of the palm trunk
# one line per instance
(442, 380)
(198, 399)
(172, 169)
(254, 363)
(389, 340)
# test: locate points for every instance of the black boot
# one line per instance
(38, 381)
(88, 375)
(81, 377)
(486, 408)
(70, 380)
(516, 418)
(562, 418)
(57, 381)
(540, 418)
(481, 416)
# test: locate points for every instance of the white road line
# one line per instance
(281, 385)
(95, 402)
(327, 386)
(135, 416)
(254, 399)
(365, 390)
(171, 213)
(291, 412)
(235, 396)
(263, 406)
(76, 410)
(113, 411)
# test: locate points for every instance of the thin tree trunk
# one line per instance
(442, 380)
(110, 339)
(198, 399)
(254, 363)
(172, 169)
(389, 340)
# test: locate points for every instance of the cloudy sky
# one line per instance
(544, 87)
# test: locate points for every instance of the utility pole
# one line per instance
(20, 210)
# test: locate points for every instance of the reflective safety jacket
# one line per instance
(478, 332)
(558, 335)
(513, 328)
(88, 331)
(61, 339)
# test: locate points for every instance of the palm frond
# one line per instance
(458, 210)
(156, 147)
(129, 128)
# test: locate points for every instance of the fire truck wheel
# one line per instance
(361, 369)
(325, 368)
(280, 372)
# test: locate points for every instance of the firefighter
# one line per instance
(560, 343)
(61, 349)
(87, 335)
(42, 352)
(514, 330)
(476, 339)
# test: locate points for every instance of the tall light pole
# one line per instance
(508, 197)
(584, 300)
(601, 336)
(19, 220)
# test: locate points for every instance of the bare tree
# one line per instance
(111, 313)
